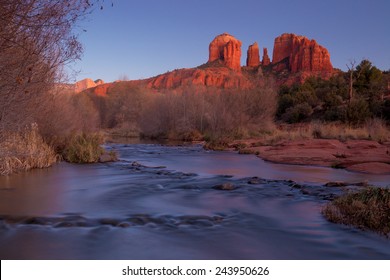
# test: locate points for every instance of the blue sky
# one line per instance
(145, 38)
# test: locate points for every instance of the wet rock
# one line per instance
(296, 186)
(329, 197)
(65, 224)
(124, 225)
(218, 219)
(361, 184)
(3, 226)
(305, 192)
(225, 176)
(336, 184)
(225, 187)
(109, 222)
(197, 221)
(139, 220)
(188, 187)
(136, 164)
(37, 221)
(255, 181)
(190, 174)
(108, 157)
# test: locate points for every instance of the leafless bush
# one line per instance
(36, 41)
(212, 112)
(66, 113)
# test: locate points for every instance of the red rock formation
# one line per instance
(87, 83)
(282, 47)
(99, 82)
(101, 89)
(299, 54)
(209, 76)
(311, 57)
(227, 49)
(83, 85)
(266, 61)
(296, 56)
(253, 56)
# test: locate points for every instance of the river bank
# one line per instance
(353, 155)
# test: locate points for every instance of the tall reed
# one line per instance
(24, 150)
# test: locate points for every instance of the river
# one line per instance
(166, 202)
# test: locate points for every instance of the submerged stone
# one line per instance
(225, 187)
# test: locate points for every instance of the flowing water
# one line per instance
(167, 202)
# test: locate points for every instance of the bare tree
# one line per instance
(351, 69)
(36, 40)
(353, 76)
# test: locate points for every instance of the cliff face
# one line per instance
(86, 83)
(83, 85)
(299, 54)
(220, 77)
(296, 57)
(266, 60)
(253, 56)
(227, 49)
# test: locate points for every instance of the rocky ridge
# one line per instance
(87, 83)
(299, 54)
(294, 59)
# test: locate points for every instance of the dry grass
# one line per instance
(378, 130)
(84, 148)
(288, 133)
(366, 209)
(374, 129)
(24, 150)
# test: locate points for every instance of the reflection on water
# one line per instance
(158, 202)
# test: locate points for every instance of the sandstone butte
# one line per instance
(299, 54)
(266, 60)
(227, 49)
(253, 56)
(87, 83)
(294, 59)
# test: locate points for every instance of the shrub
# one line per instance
(24, 150)
(366, 209)
(297, 113)
(337, 113)
(385, 110)
(84, 148)
(199, 112)
(357, 111)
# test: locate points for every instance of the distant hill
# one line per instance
(295, 58)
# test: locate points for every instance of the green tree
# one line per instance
(357, 111)
(369, 81)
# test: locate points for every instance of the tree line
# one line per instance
(352, 97)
